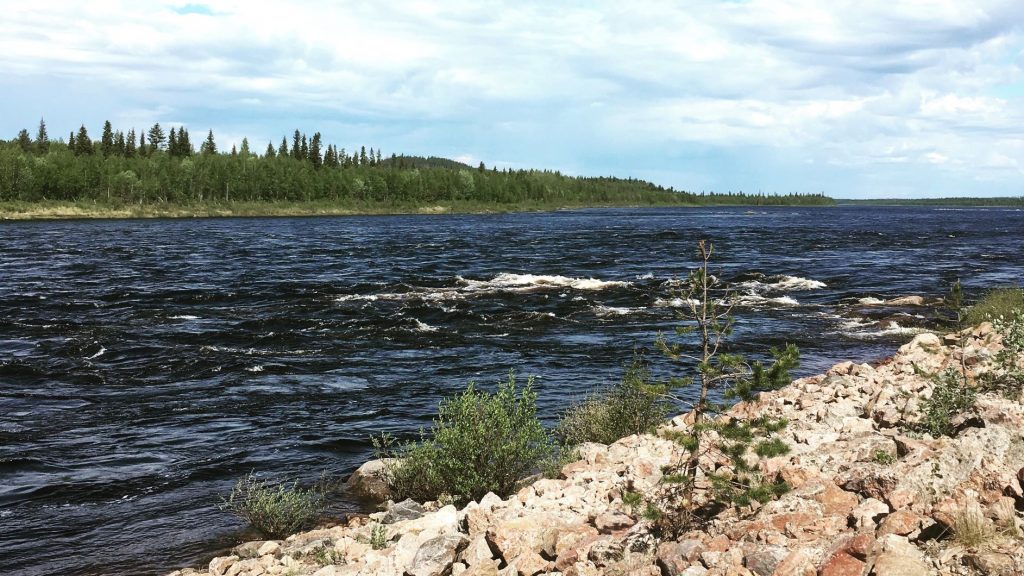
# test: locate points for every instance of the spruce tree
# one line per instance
(71, 141)
(83, 145)
(129, 144)
(234, 152)
(143, 152)
(24, 140)
(209, 146)
(314, 151)
(270, 151)
(184, 143)
(378, 157)
(107, 139)
(304, 149)
(172, 143)
(282, 150)
(157, 137)
(362, 156)
(119, 144)
(296, 151)
(244, 152)
(42, 140)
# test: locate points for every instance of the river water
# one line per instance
(146, 365)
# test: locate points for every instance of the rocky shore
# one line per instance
(869, 497)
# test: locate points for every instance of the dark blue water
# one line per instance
(146, 365)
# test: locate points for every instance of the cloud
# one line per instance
(917, 93)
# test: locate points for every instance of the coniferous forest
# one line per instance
(171, 172)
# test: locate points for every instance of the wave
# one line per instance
(616, 311)
(890, 329)
(423, 326)
(185, 317)
(675, 302)
(870, 301)
(504, 282)
(782, 283)
(524, 282)
(755, 300)
(102, 350)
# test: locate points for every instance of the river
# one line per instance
(145, 365)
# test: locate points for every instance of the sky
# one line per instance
(856, 99)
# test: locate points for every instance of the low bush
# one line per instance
(1007, 376)
(277, 510)
(951, 396)
(1002, 302)
(633, 406)
(480, 442)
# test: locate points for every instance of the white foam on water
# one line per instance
(616, 311)
(520, 282)
(185, 317)
(423, 327)
(782, 283)
(256, 368)
(648, 276)
(676, 302)
(754, 300)
(797, 283)
(870, 301)
(98, 354)
(891, 329)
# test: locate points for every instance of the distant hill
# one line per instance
(403, 161)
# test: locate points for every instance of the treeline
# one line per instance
(160, 166)
(958, 201)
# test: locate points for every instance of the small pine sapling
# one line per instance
(691, 488)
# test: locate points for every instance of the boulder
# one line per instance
(218, 566)
(436, 556)
(672, 558)
(992, 563)
(368, 481)
(763, 560)
(868, 513)
(901, 522)
(841, 564)
(404, 510)
(613, 521)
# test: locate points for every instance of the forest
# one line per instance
(963, 202)
(161, 167)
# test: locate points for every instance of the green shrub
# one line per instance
(634, 406)
(551, 467)
(379, 537)
(1007, 376)
(884, 458)
(1002, 302)
(277, 510)
(951, 396)
(479, 443)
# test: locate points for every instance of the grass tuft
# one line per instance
(999, 303)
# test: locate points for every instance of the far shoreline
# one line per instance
(65, 211)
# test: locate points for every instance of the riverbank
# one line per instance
(87, 210)
(869, 496)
